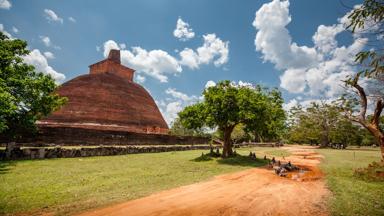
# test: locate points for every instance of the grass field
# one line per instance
(70, 185)
(351, 195)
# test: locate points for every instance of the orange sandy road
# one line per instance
(256, 191)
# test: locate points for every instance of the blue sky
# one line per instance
(67, 36)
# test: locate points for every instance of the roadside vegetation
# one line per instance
(352, 195)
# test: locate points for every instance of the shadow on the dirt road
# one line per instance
(238, 160)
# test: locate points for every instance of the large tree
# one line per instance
(227, 105)
(322, 123)
(25, 94)
(368, 20)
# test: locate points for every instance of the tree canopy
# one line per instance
(25, 94)
(325, 124)
(368, 20)
(227, 105)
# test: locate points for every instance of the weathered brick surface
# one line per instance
(107, 99)
(85, 136)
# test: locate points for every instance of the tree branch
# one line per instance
(376, 115)
(363, 98)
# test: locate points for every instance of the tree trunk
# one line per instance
(379, 136)
(227, 147)
(324, 140)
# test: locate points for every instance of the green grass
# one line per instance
(352, 195)
(69, 185)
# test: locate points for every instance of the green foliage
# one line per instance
(269, 124)
(239, 134)
(227, 105)
(179, 130)
(368, 19)
(322, 123)
(25, 95)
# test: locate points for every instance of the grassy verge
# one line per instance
(69, 185)
(352, 195)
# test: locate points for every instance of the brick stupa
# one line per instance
(107, 99)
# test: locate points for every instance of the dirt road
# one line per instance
(256, 191)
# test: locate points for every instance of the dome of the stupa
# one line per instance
(107, 98)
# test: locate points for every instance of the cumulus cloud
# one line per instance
(15, 30)
(183, 32)
(288, 106)
(171, 111)
(154, 63)
(213, 49)
(40, 62)
(189, 58)
(5, 4)
(179, 95)
(46, 41)
(274, 41)
(315, 71)
(49, 55)
(5, 32)
(140, 79)
(174, 103)
(72, 19)
(159, 64)
(210, 83)
(51, 16)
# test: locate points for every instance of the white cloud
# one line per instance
(155, 63)
(171, 111)
(140, 79)
(213, 49)
(179, 95)
(122, 46)
(288, 106)
(159, 64)
(245, 84)
(324, 38)
(108, 45)
(5, 4)
(173, 104)
(315, 71)
(182, 31)
(15, 30)
(49, 55)
(274, 40)
(5, 32)
(38, 60)
(210, 83)
(46, 41)
(50, 15)
(293, 80)
(189, 58)
(72, 19)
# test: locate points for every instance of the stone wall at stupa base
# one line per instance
(18, 153)
(69, 136)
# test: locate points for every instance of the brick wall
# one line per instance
(67, 136)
